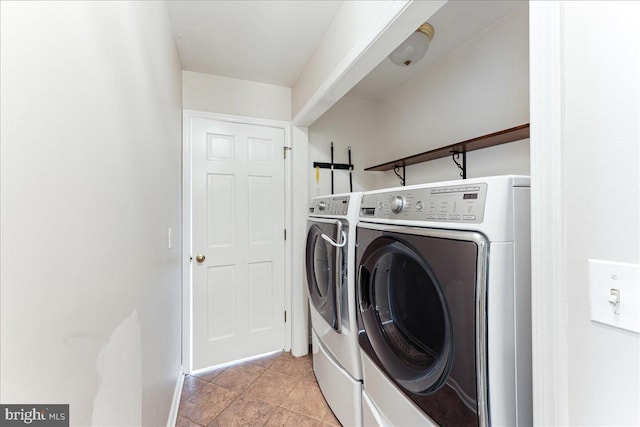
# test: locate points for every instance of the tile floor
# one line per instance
(276, 390)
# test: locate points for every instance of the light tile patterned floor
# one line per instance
(276, 390)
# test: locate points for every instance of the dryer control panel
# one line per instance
(459, 203)
(330, 205)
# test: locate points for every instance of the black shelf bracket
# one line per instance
(396, 170)
(455, 155)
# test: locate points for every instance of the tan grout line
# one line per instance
(225, 408)
(240, 393)
(271, 416)
(299, 379)
(300, 413)
(271, 403)
(196, 423)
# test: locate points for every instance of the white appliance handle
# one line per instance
(332, 243)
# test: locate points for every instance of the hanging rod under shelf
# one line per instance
(507, 135)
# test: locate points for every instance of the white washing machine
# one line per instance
(443, 294)
(330, 258)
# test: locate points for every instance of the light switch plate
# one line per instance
(609, 278)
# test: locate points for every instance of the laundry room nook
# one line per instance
(389, 213)
(423, 346)
(476, 84)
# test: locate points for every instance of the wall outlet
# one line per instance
(615, 294)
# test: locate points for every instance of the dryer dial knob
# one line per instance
(322, 206)
(397, 204)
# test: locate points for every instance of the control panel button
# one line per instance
(442, 204)
(331, 206)
(397, 204)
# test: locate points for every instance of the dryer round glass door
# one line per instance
(321, 264)
(405, 315)
(421, 316)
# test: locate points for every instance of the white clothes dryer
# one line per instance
(330, 260)
(443, 293)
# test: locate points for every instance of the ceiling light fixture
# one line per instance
(414, 47)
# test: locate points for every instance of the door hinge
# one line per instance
(285, 234)
(284, 151)
(285, 317)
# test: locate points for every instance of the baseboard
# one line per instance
(175, 403)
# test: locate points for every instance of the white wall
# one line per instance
(479, 88)
(90, 144)
(361, 35)
(351, 22)
(223, 95)
(601, 192)
(350, 122)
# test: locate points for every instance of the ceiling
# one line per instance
(270, 41)
(262, 41)
(455, 23)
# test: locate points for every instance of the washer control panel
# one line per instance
(458, 203)
(330, 206)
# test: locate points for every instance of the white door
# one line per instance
(238, 226)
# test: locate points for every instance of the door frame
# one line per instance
(548, 255)
(187, 285)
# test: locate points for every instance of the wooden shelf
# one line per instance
(496, 138)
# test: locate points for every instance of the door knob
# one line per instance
(200, 258)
